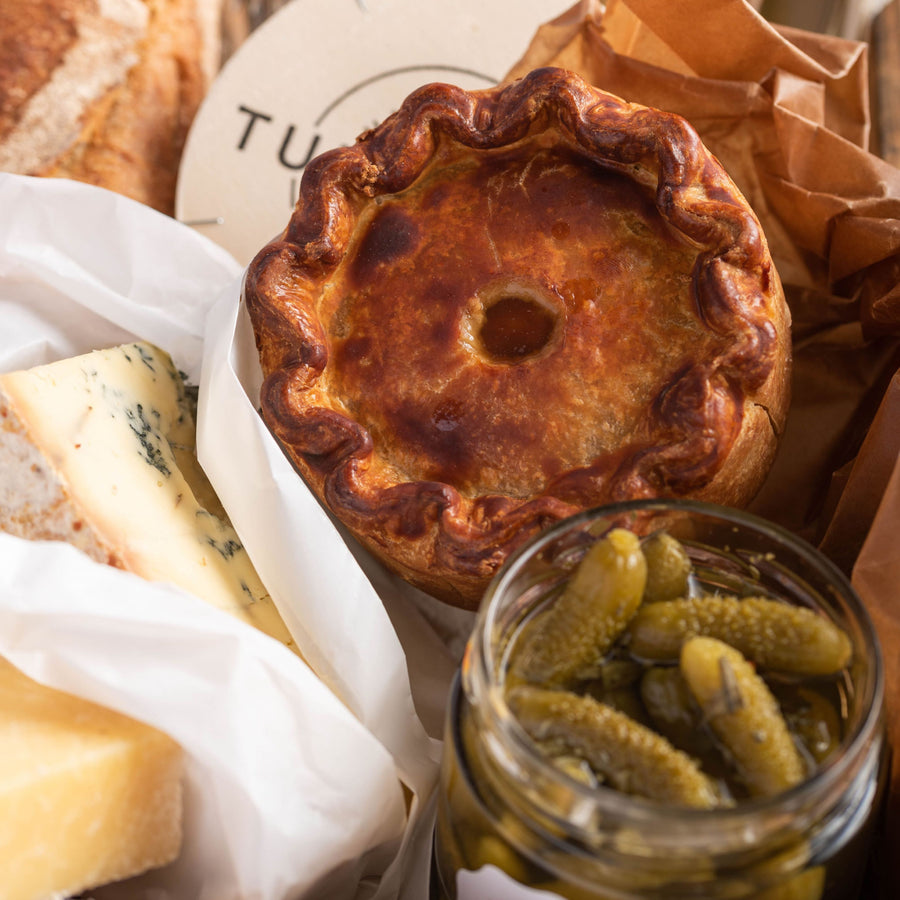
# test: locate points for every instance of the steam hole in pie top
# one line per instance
(516, 327)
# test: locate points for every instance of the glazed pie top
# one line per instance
(500, 307)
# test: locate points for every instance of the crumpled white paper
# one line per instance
(299, 784)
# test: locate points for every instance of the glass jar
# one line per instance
(510, 824)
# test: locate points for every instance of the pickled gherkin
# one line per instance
(634, 681)
(615, 674)
(774, 635)
(668, 568)
(624, 753)
(569, 640)
(743, 713)
(808, 885)
(673, 710)
(626, 700)
(618, 685)
(812, 717)
(624, 652)
(489, 850)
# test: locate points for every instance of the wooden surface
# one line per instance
(885, 88)
(240, 17)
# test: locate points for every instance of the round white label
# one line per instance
(313, 77)
(491, 883)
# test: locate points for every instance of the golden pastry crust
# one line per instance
(500, 307)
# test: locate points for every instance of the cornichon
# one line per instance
(773, 634)
(740, 709)
(650, 686)
(625, 754)
(617, 685)
(668, 568)
(807, 885)
(569, 640)
(668, 701)
(811, 717)
(487, 849)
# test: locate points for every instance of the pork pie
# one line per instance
(500, 307)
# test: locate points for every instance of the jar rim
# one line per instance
(649, 814)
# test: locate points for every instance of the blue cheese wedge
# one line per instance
(99, 451)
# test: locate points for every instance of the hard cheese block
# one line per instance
(98, 451)
(87, 796)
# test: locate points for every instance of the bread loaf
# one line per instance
(104, 91)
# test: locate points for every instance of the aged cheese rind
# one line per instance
(87, 796)
(98, 451)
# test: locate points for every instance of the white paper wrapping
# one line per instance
(298, 784)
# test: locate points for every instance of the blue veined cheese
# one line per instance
(99, 451)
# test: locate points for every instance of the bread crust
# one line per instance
(34, 501)
(501, 307)
(103, 92)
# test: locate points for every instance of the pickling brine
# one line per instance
(663, 700)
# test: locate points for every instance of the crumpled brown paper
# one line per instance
(787, 113)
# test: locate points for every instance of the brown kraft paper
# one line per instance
(788, 114)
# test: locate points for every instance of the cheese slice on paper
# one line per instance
(87, 796)
(98, 451)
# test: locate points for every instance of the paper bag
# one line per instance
(787, 113)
